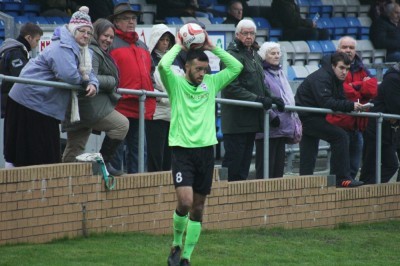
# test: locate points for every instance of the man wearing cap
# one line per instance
(135, 66)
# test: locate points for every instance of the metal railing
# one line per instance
(143, 94)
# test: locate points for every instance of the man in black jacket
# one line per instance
(235, 12)
(324, 89)
(14, 54)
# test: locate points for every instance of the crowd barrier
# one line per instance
(143, 94)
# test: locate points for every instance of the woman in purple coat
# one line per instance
(285, 127)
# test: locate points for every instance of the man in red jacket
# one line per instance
(360, 87)
(135, 66)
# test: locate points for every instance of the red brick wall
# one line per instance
(41, 203)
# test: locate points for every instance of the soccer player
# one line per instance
(192, 136)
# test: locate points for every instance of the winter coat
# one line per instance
(58, 62)
(163, 108)
(385, 35)
(290, 125)
(247, 86)
(387, 101)
(355, 89)
(135, 68)
(14, 54)
(92, 109)
(286, 14)
(322, 89)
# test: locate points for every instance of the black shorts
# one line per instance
(193, 167)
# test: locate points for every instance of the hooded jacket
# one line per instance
(14, 54)
(246, 87)
(58, 62)
(135, 67)
(163, 107)
(322, 89)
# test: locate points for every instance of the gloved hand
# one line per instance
(275, 122)
(280, 104)
(266, 102)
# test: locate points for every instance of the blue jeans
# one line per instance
(131, 144)
(356, 142)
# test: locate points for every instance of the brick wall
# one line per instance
(41, 203)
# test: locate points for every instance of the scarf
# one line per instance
(85, 67)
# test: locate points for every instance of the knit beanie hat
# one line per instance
(80, 19)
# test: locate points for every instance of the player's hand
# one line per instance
(178, 40)
(91, 90)
(208, 45)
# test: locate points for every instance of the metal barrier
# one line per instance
(143, 94)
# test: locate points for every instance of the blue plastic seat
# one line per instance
(216, 20)
(220, 8)
(31, 9)
(21, 19)
(55, 20)
(11, 7)
(315, 6)
(326, 23)
(173, 21)
(353, 26)
(341, 26)
(262, 23)
(328, 47)
(39, 20)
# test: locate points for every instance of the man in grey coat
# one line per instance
(240, 124)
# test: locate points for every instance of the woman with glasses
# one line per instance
(32, 134)
(98, 113)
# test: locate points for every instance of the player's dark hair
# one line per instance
(196, 54)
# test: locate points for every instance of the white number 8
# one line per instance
(178, 177)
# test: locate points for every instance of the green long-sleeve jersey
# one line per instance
(193, 107)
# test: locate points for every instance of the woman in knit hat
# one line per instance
(32, 134)
(98, 113)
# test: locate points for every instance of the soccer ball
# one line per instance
(193, 36)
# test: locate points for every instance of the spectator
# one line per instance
(295, 28)
(135, 67)
(33, 114)
(387, 101)
(176, 8)
(98, 113)
(360, 87)
(385, 32)
(240, 124)
(158, 151)
(324, 89)
(192, 137)
(14, 55)
(285, 125)
(378, 8)
(235, 12)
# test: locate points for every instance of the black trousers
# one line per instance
(315, 128)
(389, 160)
(158, 151)
(238, 154)
(276, 157)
